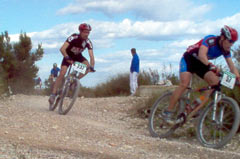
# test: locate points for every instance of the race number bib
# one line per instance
(228, 80)
(79, 67)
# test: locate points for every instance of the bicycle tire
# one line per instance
(53, 106)
(68, 94)
(232, 110)
(155, 128)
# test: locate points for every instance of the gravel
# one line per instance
(103, 128)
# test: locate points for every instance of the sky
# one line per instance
(160, 30)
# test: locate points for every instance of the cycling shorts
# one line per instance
(79, 58)
(191, 64)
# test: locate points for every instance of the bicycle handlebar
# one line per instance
(91, 69)
(220, 74)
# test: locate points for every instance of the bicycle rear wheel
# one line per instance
(216, 134)
(68, 96)
(157, 126)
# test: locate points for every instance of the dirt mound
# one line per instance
(94, 128)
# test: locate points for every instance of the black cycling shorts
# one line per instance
(195, 66)
(79, 58)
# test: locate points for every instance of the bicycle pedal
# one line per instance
(180, 120)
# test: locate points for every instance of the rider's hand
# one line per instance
(238, 81)
(91, 69)
(213, 68)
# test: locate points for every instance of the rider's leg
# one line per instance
(211, 78)
(82, 75)
(185, 78)
(59, 79)
(57, 83)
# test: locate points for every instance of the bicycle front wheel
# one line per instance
(157, 126)
(53, 106)
(217, 133)
(68, 96)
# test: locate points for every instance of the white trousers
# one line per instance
(133, 82)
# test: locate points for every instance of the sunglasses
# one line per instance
(231, 41)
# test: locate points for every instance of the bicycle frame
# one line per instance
(216, 94)
(73, 74)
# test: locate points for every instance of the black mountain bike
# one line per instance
(68, 93)
(217, 123)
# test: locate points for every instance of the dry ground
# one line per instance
(96, 128)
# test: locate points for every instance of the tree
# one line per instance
(6, 61)
(18, 62)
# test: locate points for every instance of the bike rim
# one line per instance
(216, 132)
(158, 125)
(68, 98)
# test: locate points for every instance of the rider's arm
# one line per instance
(92, 61)
(64, 48)
(202, 54)
(231, 66)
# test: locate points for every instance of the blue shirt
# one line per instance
(135, 64)
(214, 50)
(54, 72)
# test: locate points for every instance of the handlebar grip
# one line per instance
(237, 83)
(92, 69)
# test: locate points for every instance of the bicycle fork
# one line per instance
(217, 98)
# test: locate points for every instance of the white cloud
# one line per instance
(105, 33)
(183, 43)
(151, 9)
(101, 60)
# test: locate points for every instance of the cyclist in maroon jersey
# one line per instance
(72, 51)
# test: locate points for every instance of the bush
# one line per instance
(119, 85)
(116, 86)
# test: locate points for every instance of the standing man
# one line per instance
(134, 71)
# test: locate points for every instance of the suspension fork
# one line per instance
(217, 98)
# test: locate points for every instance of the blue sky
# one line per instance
(160, 30)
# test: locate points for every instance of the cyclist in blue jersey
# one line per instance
(54, 71)
(196, 60)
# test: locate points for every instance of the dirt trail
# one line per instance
(95, 128)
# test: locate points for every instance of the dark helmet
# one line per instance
(55, 65)
(230, 33)
(84, 26)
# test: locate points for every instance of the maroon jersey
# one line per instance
(77, 45)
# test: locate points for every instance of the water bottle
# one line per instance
(197, 102)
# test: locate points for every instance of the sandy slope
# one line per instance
(94, 128)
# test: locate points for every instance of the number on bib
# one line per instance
(228, 80)
(79, 67)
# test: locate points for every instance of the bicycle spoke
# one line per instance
(68, 96)
(216, 133)
(158, 126)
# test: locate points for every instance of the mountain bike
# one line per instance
(217, 123)
(68, 93)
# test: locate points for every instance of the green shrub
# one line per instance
(119, 85)
(116, 86)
